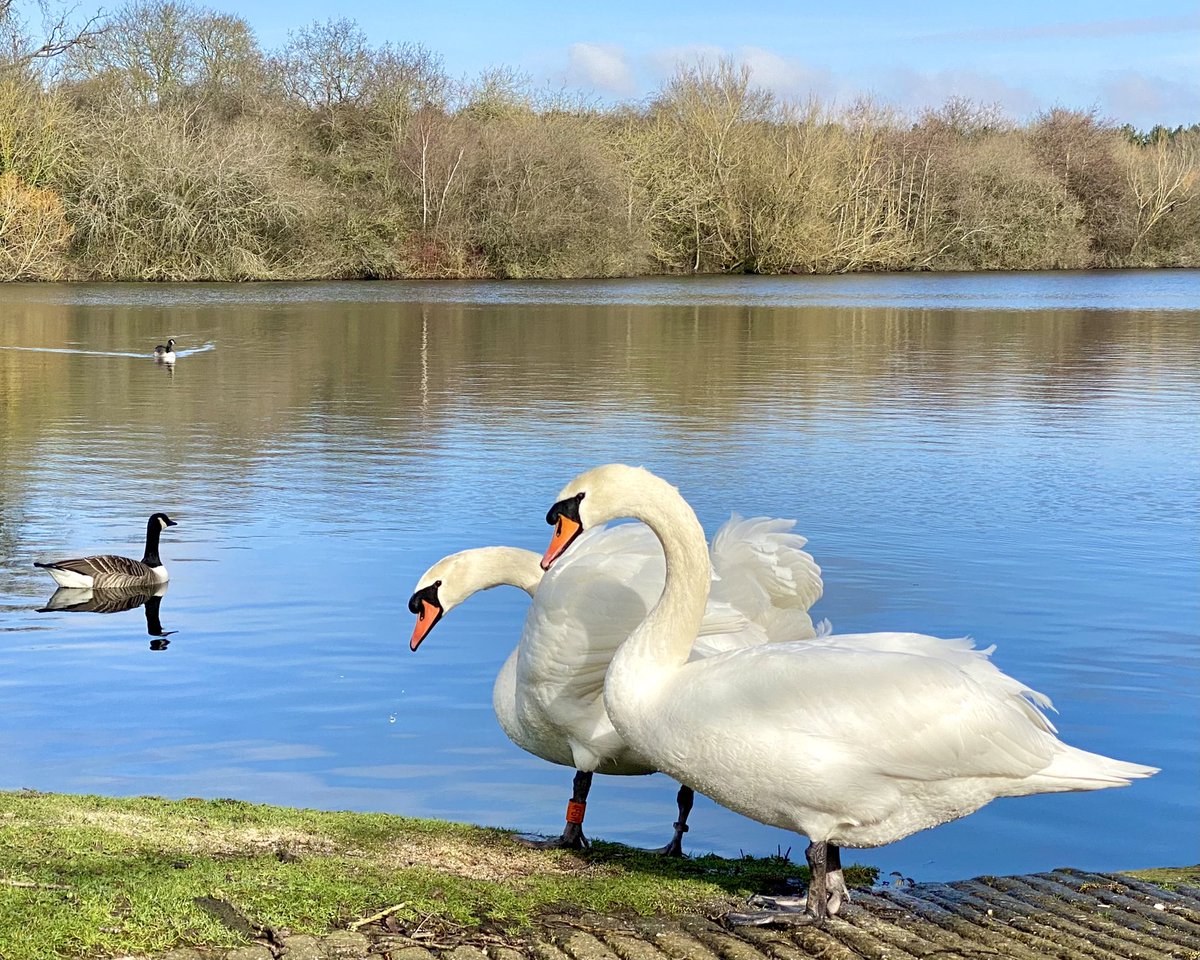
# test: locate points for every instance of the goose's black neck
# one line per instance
(153, 529)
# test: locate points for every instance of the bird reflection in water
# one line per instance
(71, 600)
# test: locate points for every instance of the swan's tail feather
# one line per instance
(1075, 769)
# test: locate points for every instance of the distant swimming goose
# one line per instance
(165, 354)
(112, 571)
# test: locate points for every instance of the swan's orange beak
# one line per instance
(427, 617)
(565, 532)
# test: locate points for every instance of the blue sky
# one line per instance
(1137, 63)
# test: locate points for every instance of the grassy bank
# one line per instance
(171, 146)
(1170, 877)
(88, 876)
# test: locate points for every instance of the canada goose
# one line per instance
(853, 741)
(108, 570)
(165, 354)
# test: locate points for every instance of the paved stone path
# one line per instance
(1061, 915)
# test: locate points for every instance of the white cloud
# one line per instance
(662, 63)
(1129, 96)
(786, 77)
(603, 67)
(1145, 100)
(915, 91)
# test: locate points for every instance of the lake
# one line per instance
(1012, 456)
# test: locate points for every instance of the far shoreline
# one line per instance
(612, 278)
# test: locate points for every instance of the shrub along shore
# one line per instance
(172, 147)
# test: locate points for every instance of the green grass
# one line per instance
(93, 876)
(1170, 877)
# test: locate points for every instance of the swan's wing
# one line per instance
(760, 568)
(725, 630)
(960, 652)
(761, 556)
(855, 711)
(583, 611)
(630, 555)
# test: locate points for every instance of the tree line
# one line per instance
(165, 144)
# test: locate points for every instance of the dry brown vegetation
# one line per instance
(169, 146)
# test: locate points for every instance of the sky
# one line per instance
(1135, 63)
(1132, 63)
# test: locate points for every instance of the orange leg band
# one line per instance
(575, 811)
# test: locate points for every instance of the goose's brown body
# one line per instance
(111, 571)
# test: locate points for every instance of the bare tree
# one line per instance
(326, 65)
(1163, 176)
(22, 47)
(157, 51)
(404, 79)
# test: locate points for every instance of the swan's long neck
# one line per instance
(504, 566)
(153, 529)
(663, 641)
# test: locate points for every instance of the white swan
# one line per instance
(548, 696)
(854, 740)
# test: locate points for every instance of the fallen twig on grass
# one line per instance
(30, 884)
(376, 916)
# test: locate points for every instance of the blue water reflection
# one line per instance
(1008, 456)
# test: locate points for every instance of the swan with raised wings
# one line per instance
(109, 571)
(548, 695)
(854, 741)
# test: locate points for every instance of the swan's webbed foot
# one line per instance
(761, 918)
(786, 911)
(837, 894)
(675, 847)
(782, 904)
(572, 839)
(826, 894)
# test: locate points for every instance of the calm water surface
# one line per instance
(1012, 457)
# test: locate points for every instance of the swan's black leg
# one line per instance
(572, 836)
(684, 800)
(817, 855)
